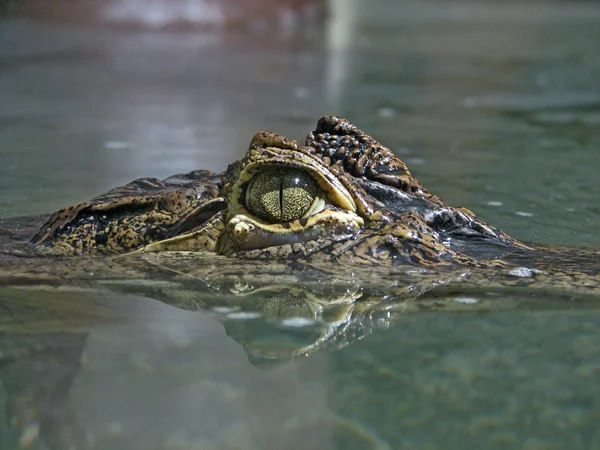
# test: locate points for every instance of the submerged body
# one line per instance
(342, 199)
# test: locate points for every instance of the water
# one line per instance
(495, 108)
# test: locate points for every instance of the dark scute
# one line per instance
(445, 220)
(394, 199)
(468, 236)
(328, 124)
(334, 133)
(384, 168)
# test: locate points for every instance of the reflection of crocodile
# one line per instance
(275, 320)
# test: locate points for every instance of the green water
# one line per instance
(492, 107)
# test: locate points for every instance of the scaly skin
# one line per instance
(375, 211)
(376, 221)
(375, 217)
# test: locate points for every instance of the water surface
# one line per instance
(494, 108)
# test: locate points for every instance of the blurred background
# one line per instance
(493, 105)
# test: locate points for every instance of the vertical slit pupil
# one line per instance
(281, 196)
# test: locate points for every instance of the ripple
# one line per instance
(244, 315)
(298, 322)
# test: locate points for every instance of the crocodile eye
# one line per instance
(281, 194)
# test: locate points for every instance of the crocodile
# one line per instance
(340, 197)
(336, 232)
(340, 200)
(290, 230)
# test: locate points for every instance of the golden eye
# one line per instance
(281, 194)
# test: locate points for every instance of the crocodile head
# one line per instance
(341, 197)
